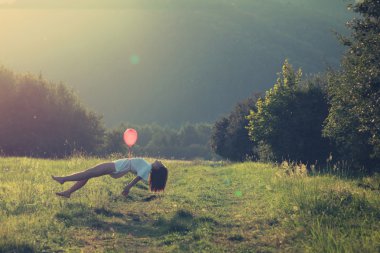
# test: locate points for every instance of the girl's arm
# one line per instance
(130, 185)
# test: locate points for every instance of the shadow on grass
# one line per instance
(183, 222)
(16, 248)
(80, 215)
(135, 197)
(107, 213)
(150, 198)
(341, 209)
(19, 209)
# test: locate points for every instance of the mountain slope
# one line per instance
(172, 61)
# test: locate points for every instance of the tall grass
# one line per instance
(207, 207)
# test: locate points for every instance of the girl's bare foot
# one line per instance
(58, 179)
(63, 194)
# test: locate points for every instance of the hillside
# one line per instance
(172, 61)
(207, 207)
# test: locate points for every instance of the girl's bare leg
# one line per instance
(73, 188)
(97, 171)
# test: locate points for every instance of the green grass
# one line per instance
(207, 207)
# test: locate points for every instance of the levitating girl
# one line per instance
(156, 174)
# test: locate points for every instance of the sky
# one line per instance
(167, 61)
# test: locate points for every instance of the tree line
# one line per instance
(329, 117)
(45, 119)
(190, 141)
(333, 116)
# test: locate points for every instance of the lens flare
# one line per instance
(238, 194)
(134, 59)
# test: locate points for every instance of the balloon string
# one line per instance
(129, 153)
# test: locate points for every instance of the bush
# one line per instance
(288, 122)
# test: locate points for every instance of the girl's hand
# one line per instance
(130, 185)
(125, 192)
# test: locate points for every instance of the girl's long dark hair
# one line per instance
(158, 178)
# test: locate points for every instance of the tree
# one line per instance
(44, 119)
(288, 122)
(353, 121)
(229, 137)
(219, 137)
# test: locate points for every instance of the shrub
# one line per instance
(288, 122)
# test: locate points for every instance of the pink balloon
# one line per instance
(130, 137)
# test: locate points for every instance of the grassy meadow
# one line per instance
(207, 207)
